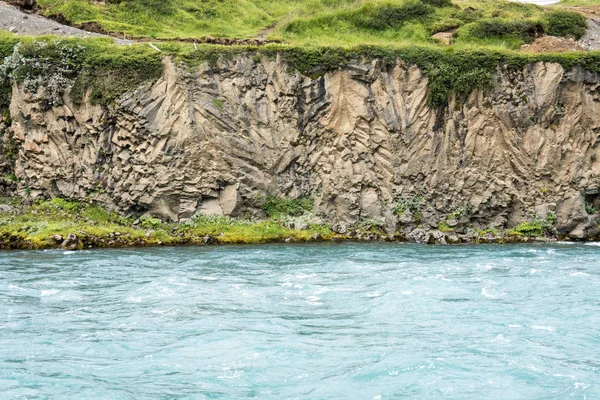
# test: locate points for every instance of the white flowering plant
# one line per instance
(49, 65)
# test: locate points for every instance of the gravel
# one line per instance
(20, 23)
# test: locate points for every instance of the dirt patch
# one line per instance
(444, 37)
(587, 11)
(552, 44)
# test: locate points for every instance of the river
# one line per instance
(322, 321)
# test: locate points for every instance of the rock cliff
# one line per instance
(362, 141)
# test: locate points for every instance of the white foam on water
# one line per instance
(563, 242)
(533, 271)
(374, 295)
(485, 267)
(486, 293)
(305, 276)
(581, 385)
(49, 292)
(564, 376)
(579, 273)
(407, 292)
(322, 290)
(592, 244)
(500, 338)
(207, 278)
(514, 326)
(543, 328)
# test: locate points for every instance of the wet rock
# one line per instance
(208, 239)
(72, 242)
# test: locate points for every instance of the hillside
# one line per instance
(324, 22)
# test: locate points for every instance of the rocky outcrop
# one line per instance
(361, 141)
(8, 153)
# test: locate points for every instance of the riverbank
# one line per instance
(74, 226)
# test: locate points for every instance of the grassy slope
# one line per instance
(299, 22)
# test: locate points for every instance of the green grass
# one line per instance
(36, 226)
(573, 3)
(305, 22)
(276, 207)
(104, 71)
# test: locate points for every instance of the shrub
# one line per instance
(551, 218)
(156, 7)
(51, 65)
(438, 3)
(590, 209)
(390, 16)
(218, 103)
(535, 226)
(412, 204)
(530, 228)
(526, 30)
(443, 227)
(566, 24)
(65, 205)
(276, 207)
(150, 222)
(371, 225)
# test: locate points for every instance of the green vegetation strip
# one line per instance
(48, 223)
(499, 23)
(108, 70)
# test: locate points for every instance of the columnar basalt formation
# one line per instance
(221, 138)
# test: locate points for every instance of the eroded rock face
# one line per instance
(219, 139)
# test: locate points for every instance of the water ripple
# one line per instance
(328, 321)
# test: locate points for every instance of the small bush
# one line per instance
(526, 30)
(50, 65)
(65, 205)
(390, 16)
(153, 7)
(412, 204)
(276, 207)
(590, 209)
(443, 227)
(438, 3)
(566, 24)
(530, 228)
(218, 103)
(371, 225)
(535, 226)
(551, 218)
(150, 222)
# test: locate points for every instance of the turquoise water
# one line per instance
(337, 321)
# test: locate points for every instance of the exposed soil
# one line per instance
(552, 44)
(588, 11)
